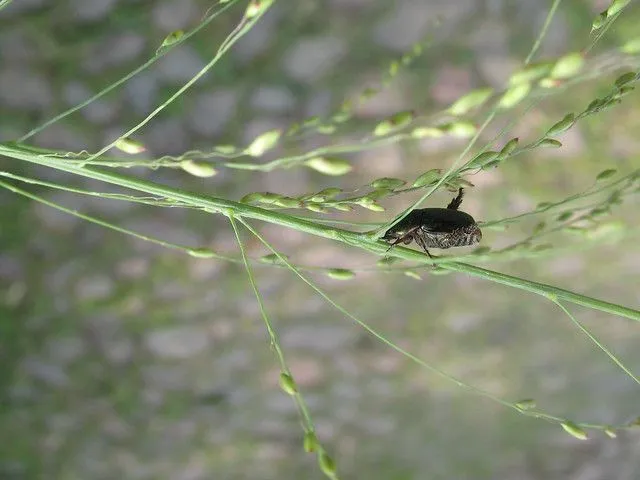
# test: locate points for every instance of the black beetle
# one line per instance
(436, 227)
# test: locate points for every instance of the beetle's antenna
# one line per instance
(455, 203)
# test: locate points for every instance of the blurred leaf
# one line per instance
(394, 122)
(567, 66)
(198, 169)
(128, 145)
(329, 165)
(427, 178)
(573, 430)
(608, 173)
(530, 73)
(263, 142)
(170, 39)
(514, 95)
(287, 384)
(471, 100)
(562, 125)
(340, 274)
(387, 182)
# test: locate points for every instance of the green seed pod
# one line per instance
(610, 432)
(471, 100)
(378, 194)
(526, 404)
(616, 6)
(387, 182)
(225, 149)
(514, 95)
(201, 253)
(539, 227)
(599, 21)
(268, 198)
(549, 83)
(252, 197)
(605, 174)
(625, 78)
(561, 126)
(316, 208)
(330, 192)
(573, 430)
(549, 142)
(564, 216)
(198, 169)
(567, 66)
(596, 105)
(327, 465)
(394, 122)
(509, 147)
(128, 145)
(273, 259)
(329, 165)
(288, 384)
(169, 40)
(427, 132)
(483, 158)
(460, 129)
(310, 442)
(257, 7)
(343, 207)
(412, 274)
(340, 273)
(370, 204)
(530, 73)
(427, 178)
(263, 142)
(287, 202)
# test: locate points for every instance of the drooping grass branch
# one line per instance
(356, 239)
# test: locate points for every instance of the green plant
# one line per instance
(534, 82)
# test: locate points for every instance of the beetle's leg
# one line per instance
(455, 203)
(398, 240)
(420, 241)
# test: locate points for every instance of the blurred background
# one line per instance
(120, 359)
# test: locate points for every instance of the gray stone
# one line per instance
(166, 136)
(273, 99)
(24, 89)
(310, 59)
(141, 92)
(211, 111)
(180, 66)
(258, 39)
(97, 287)
(91, 10)
(169, 15)
(177, 342)
(114, 51)
(99, 111)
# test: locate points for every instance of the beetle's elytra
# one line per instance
(436, 227)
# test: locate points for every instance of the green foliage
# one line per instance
(582, 216)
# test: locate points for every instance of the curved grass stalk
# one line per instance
(355, 239)
(592, 337)
(305, 416)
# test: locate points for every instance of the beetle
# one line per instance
(436, 228)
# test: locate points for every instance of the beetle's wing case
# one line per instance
(443, 220)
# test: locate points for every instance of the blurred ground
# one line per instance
(124, 360)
